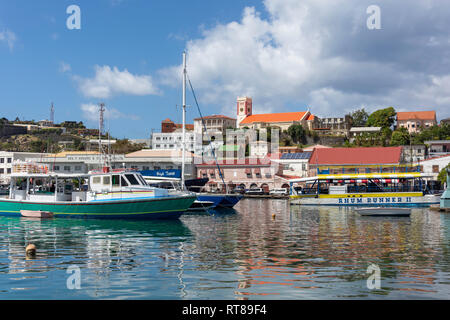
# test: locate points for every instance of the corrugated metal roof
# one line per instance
(356, 156)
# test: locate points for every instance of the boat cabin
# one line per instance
(95, 186)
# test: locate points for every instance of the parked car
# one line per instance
(279, 192)
(239, 189)
(255, 191)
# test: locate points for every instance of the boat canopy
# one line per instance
(385, 175)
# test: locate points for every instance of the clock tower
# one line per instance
(244, 108)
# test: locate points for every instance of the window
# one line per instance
(2, 160)
(8, 170)
(116, 180)
(145, 168)
(435, 169)
(123, 182)
(132, 179)
(141, 179)
(158, 138)
(2, 171)
(106, 180)
(96, 180)
(9, 160)
(77, 168)
(157, 168)
(66, 168)
(56, 168)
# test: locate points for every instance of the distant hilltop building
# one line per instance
(168, 126)
(415, 120)
(246, 118)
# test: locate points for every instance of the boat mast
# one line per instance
(184, 121)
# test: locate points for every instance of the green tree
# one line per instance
(400, 137)
(296, 132)
(442, 177)
(382, 118)
(359, 117)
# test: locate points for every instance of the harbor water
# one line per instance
(262, 249)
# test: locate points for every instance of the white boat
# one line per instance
(384, 211)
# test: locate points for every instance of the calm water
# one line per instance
(304, 253)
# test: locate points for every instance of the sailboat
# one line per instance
(214, 200)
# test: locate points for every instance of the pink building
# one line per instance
(414, 121)
(248, 173)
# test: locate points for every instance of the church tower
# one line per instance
(244, 108)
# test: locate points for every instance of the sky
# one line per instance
(288, 55)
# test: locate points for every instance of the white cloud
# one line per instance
(109, 82)
(90, 112)
(9, 37)
(64, 67)
(320, 53)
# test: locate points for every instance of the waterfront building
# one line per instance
(360, 131)
(434, 165)
(246, 173)
(7, 160)
(438, 147)
(415, 120)
(143, 160)
(294, 164)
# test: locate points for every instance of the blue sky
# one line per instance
(138, 35)
(288, 55)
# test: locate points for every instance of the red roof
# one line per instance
(274, 117)
(419, 115)
(356, 156)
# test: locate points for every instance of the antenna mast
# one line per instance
(184, 120)
(52, 114)
(100, 131)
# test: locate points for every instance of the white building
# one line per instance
(173, 140)
(146, 159)
(359, 131)
(7, 160)
(434, 165)
(294, 164)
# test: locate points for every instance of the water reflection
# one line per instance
(261, 249)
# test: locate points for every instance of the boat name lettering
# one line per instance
(374, 200)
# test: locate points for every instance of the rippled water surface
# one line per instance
(246, 253)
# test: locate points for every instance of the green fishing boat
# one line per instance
(118, 194)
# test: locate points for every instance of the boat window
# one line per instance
(141, 179)
(106, 180)
(123, 182)
(132, 179)
(96, 180)
(116, 180)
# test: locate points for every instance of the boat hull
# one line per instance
(384, 212)
(157, 208)
(221, 200)
(370, 200)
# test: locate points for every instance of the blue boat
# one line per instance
(220, 200)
